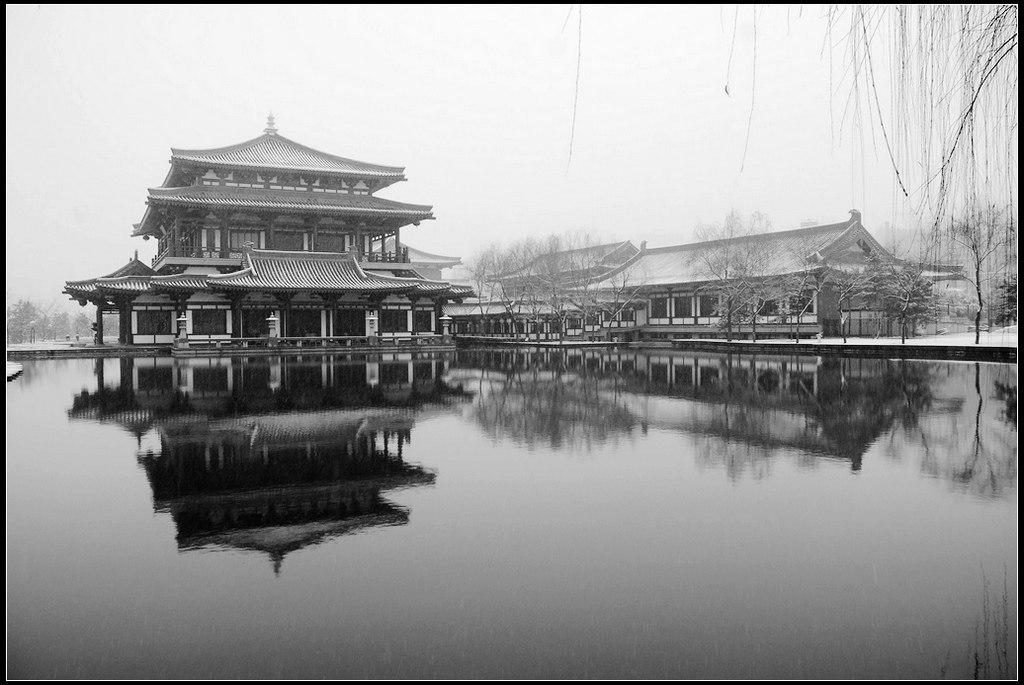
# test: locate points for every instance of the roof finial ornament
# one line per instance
(270, 129)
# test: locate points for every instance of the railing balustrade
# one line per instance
(185, 252)
(319, 341)
(402, 256)
(190, 252)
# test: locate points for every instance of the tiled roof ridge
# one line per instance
(788, 233)
(200, 154)
(182, 280)
(614, 245)
(440, 257)
(256, 258)
(253, 253)
(134, 268)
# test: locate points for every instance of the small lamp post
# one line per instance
(371, 328)
(182, 340)
(446, 326)
(272, 329)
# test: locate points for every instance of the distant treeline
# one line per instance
(30, 321)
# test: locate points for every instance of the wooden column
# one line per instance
(176, 250)
(398, 248)
(225, 234)
(271, 241)
(286, 312)
(124, 321)
(236, 315)
(99, 323)
(332, 321)
(438, 313)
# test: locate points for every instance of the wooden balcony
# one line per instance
(234, 256)
(198, 256)
(399, 257)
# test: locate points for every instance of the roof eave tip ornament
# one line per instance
(270, 130)
(854, 216)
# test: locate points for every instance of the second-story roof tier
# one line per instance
(365, 208)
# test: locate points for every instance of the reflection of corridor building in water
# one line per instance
(742, 410)
(272, 454)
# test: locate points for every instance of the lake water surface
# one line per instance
(484, 514)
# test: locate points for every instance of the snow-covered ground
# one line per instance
(1001, 337)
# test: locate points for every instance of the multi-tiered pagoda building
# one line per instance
(272, 238)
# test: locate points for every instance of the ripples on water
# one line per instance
(522, 515)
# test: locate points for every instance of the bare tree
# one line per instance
(765, 288)
(81, 325)
(498, 273)
(850, 285)
(732, 267)
(902, 284)
(595, 278)
(554, 279)
(983, 234)
(482, 268)
(799, 290)
(546, 280)
(619, 290)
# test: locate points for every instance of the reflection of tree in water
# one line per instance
(1006, 393)
(986, 467)
(964, 440)
(539, 399)
(738, 459)
(560, 409)
(753, 406)
(860, 399)
(744, 410)
(829, 407)
(836, 410)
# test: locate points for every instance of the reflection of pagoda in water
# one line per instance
(281, 482)
(272, 454)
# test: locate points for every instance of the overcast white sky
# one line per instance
(475, 102)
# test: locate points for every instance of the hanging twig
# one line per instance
(753, 84)
(732, 48)
(576, 93)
